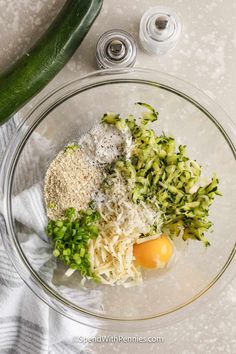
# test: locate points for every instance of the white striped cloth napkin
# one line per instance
(27, 325)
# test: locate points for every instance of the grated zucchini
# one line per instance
(161, 174)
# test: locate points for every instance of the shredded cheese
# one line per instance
(111, 253)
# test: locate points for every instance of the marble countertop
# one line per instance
(205, 56)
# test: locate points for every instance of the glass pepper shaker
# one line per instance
(116, 48)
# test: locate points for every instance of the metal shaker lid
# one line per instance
(116, 48)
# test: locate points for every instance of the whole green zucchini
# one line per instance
(47, 57)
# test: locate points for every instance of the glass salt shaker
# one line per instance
(159, 31)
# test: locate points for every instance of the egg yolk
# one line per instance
(154, 253)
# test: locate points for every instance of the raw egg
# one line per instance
(155, 253)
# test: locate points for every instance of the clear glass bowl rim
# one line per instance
(24, 130)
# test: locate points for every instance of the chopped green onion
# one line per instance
(70, 237)
(71, 148)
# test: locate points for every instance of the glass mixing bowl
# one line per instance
(61, 117)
